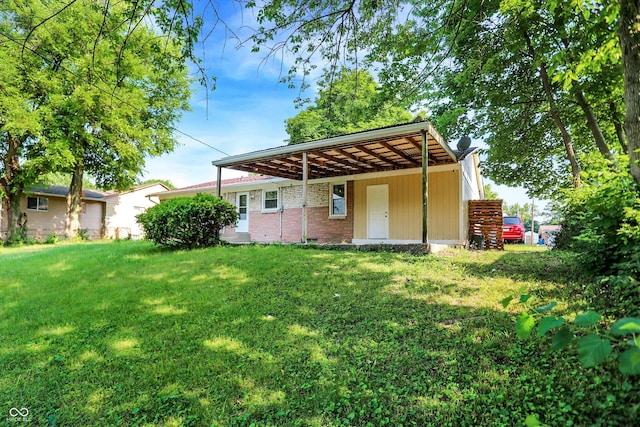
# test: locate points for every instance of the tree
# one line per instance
(629, 33)
(490, 193)
(544, 73)
(350, 103)
(61, 179)
(524, 212)
(21, 118)
(569, 49)
(112, 93)
(164, 182)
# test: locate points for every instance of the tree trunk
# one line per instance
(629, 33)
(617, 123)
(74, 201)
(16, 219)
(13, 191)
(553, 112)
(593, 126)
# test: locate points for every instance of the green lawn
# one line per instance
(127, 334)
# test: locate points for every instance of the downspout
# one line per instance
(151, 200)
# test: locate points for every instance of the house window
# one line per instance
(338, 201)
(270, 200)
(37, 204)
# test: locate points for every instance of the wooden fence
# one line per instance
(485, 219)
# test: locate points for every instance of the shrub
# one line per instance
(602, 224)
(52, 239)
(188, 222)
(83, 234)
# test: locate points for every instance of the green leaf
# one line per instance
(505, 302)
(532, 421)
(628, 325)
(548, 323)
(524, 325)
(562, 339)
(589, 318)
(524, 297)
(545, 308)
(629, 362)
(593, 350)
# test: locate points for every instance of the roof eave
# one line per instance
(333, 142)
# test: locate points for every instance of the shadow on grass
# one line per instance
(267, 336)
(556, 274)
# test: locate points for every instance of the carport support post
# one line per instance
(219, 182)
(218, 191)
(425, 185)
(305, 173)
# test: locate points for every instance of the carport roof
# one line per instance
(384, 149)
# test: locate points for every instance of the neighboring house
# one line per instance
(548, 233)
(45, 207)
(122, 208)
(367, 187)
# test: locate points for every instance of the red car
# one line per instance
(512, 229)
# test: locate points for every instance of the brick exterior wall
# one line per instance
(331, 230)
(270, 227)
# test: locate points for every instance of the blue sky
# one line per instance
(246, 112)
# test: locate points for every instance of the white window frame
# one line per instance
(264, 200)
(338, 215)
(38, 208)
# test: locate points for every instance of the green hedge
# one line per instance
(188, 222)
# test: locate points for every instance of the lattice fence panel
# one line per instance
(485, 219)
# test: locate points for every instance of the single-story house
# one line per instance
(111, 214)
(45, 207)
(396, 185)
(122, 208)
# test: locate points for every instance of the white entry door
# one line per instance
(378, 211)
(242, 205)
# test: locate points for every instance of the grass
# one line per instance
(128, 334)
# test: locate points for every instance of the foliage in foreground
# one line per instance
(241, 336)
(188, 222)
(595, 343)
(602, 223)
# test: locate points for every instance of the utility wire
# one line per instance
(62, 67)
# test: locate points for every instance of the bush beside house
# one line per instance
(188, 222)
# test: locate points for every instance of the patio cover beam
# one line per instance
(400, 153)
(377, 150)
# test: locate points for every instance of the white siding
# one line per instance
(122, 208)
